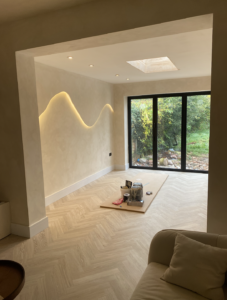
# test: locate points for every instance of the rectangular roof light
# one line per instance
(152, 65)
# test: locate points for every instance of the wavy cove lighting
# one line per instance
(69, 100)
(153, 65)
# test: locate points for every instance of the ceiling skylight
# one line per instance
(152, 65)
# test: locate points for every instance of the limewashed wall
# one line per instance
(71, 149)
(72, 152)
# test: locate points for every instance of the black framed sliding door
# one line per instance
(169, 132)
(141, 130)
(197, 137)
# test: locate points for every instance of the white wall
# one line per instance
(122, 91)
(72, 152)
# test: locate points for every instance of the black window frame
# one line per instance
(155, 97)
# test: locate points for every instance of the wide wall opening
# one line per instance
(170, 131)
(73, 103)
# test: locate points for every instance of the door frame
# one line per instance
(155, 129)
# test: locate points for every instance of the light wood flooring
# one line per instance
(94, 253)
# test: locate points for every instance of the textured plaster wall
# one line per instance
(31, 142)
(122, 91)
(70, 151)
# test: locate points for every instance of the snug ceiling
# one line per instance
(190, 52)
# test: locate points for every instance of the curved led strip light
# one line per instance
(75, 110)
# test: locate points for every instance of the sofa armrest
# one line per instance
(162, 244)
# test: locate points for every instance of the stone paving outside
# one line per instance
(172, 160)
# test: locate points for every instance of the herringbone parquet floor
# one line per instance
(93, 253)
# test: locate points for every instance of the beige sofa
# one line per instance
(151, 286)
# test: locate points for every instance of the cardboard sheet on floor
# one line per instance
(151, 182)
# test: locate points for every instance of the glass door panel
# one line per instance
(198, 132)
(142, 132)
(169, 132)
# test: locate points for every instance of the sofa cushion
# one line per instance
(198, 267)
(151, 287)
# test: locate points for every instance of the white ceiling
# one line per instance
(190, 52)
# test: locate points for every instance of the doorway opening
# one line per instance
(170, 131)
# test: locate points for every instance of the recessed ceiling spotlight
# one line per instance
(117, 75)
(127, 78)
(70, 57)
(91, 66)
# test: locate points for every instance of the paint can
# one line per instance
(124, 190)
(126, 197)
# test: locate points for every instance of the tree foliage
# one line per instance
(142, 125)
(169, 121)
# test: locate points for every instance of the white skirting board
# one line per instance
(62, 193)
(29, 231)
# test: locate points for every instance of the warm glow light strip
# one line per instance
(74, 108)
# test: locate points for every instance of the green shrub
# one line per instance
(169, 121)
